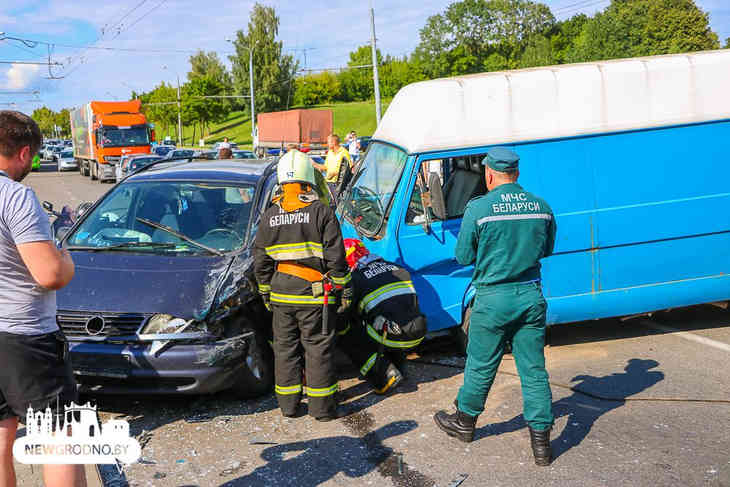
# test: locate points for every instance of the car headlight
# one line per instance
(166, 324)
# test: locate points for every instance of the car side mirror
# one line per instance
(83, 208)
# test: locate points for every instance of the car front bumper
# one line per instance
(63, 165)
(131, 368)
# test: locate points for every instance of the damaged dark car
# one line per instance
(162, 300)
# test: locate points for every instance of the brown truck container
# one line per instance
(310, 127)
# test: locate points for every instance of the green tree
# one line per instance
(397, 73)
(727, 43)
(197, 109)
(63, 120)
(564, 36)
(473, 34)
(45, 118)
(357, 81)
(316, 89)
(629, 28)
(160, 108)
(273, 70)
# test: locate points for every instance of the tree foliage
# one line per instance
(47, 119)
(273, 70)
(316, 89)
(628, 28)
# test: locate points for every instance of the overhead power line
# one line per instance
(32, 62)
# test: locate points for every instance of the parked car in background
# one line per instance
(67, 161)
(68, 143)
(162, 150)
(206, 154)
(47, 152)
(137, 163)
(123, 161)
(55, 151)
(180, 153)
(243, 154)
(180, 235)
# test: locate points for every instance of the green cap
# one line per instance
(501, 159)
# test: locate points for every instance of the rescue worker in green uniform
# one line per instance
(298, 254)
(504, 234)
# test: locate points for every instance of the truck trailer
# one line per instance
(631, 155)
(104, 131)
(308, 128)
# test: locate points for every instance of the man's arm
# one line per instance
(466, 244)
(50, 267)
(318, 166)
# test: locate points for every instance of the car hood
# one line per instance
(117, 282)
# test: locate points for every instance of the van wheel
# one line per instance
(256, 378)
(94, 171)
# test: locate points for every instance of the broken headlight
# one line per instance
(164, 324)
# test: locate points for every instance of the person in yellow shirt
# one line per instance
(335, 172)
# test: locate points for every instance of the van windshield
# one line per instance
(366, 203)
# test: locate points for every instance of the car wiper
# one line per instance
(124, 245)
(179, 235)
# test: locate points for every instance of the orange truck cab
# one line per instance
(104, 131)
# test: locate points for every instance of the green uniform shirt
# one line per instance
(505, 233)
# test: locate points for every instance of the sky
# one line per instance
(319, 33)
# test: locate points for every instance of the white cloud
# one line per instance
(20, 76)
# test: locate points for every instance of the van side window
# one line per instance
(448, 185)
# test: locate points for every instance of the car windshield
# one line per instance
(243, 154)
(67, 153)
(118, 137)
(130, 217)
(367, 200)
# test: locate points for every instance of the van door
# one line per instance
(439, 189)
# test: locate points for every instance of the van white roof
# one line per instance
(559, 101)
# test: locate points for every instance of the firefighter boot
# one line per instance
(540, 441)
(459, 425)
(386, 377)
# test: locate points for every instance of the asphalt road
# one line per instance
(635, 416)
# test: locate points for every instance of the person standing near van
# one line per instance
(33, 351)
(353, 147)
(504, 234)
(337, 165)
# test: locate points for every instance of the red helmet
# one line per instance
(354, 251)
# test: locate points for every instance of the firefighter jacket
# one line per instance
(308, 236)
(384, 291)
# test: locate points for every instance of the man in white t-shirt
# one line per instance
(354, 147)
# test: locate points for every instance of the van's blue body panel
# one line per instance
(643, 224)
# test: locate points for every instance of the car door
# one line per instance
(427, 238)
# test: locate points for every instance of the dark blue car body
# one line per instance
(120, 291)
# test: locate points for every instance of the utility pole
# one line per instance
(376, 81)
(250, 81)
(179, 117)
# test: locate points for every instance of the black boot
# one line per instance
(385, 376)
(459, 425)
(540, 441)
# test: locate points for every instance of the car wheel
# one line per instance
(94, 171)
(256, 377)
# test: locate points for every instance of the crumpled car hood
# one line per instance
(117, 282)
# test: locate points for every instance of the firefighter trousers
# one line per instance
(508, 312)
(363, 352)
(297, 332)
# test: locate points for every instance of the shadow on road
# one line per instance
(316, 461)
(582, 410)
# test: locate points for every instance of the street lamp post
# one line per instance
(250, 87)
(179, 110)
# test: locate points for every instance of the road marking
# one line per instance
(688, 336)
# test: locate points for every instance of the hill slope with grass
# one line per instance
(357, 116)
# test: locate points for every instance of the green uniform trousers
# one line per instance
(508, 312)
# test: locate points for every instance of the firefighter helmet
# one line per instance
(296, 167)
(354, 251)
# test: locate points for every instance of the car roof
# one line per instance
(232, 170)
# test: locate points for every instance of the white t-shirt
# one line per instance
(354, 148)
(224, 145)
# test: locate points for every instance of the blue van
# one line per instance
(632, 155)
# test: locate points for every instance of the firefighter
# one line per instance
(504, 234)
(386, 304)
(298, 256)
